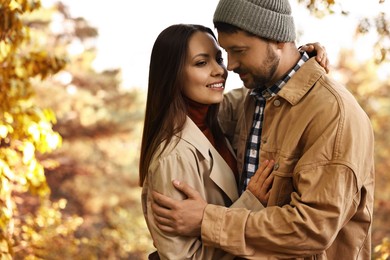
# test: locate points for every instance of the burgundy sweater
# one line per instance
(197, 112)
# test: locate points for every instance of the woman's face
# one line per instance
(204, 71)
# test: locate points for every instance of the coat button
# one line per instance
(276, 166)
(277, 103)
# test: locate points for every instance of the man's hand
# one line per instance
(260, 184)
(319, 51)
(179, 217)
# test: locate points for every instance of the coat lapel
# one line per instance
(223, 176)
(220, 174)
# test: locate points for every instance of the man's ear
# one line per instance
(280, 45)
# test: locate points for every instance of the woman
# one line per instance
(182, 138)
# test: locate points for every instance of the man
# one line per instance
(321, 141)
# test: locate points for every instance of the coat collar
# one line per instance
(297, 87)
(221, 174)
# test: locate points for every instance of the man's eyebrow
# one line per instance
(235, 47)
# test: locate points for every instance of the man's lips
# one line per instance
(242, 75)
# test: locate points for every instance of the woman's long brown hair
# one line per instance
(166, 110)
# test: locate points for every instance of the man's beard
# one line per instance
(267, 70)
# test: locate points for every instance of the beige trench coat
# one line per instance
(195, 161)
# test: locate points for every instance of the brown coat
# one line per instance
(321, 202)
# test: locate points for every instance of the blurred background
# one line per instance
(73, 84)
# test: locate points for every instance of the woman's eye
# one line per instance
(201, 63)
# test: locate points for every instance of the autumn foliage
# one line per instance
(28, 218)
(79, 201)
(69, 140)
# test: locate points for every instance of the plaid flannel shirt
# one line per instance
(251, 160)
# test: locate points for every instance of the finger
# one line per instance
(162, 221)
(320, 51)
(261, 175)
(321, 55)
(327, 64)
(267, 171)
(266, 197)
(258, 174)
(162, 200)
(310, 47)
(324, 54)
(166, 229)
(186, 189)
(257, 183)
(268, 182)
(161, 211)
(307, 47)
(319, 58)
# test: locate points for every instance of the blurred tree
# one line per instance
(83, 200)
(29, 221)
(100, 123)
(373, 93)
(380, 23)
(97, 148)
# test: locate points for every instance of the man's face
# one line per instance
(255, 60)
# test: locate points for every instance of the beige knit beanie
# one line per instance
(270, 19)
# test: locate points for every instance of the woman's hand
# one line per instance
(319, 51)
(260, 184)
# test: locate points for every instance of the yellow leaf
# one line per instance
(3, 131)
(6, 171)
(33, 130)
(53, 140)
(6, 212)
(28, 152)
(4, 249)
(20, 72)
(4, 50)
(62, 203)
(8, 117)
(14, 5)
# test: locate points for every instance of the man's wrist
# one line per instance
(211, 225)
